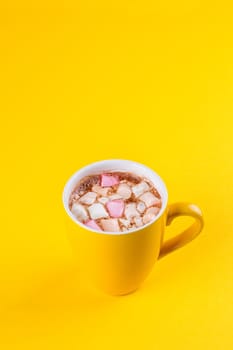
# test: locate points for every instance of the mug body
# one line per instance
(116, 262)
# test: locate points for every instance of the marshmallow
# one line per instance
(79, 211)
(149, 199)
(138, 221)
(111, 225)
(152, 210)
(103, 191)
(74, 197)
(92, 224)
(124, 191)
(88, 198)
(97, 211)
(150, 214)
(147, 218)
(115, 208)
(109, 180)
(125, 222)
(140, 188)
(103, 200)
(131, 211)
(141, 207)
(115, 196)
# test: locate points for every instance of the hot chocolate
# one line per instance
(115, 201)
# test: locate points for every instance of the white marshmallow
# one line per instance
(111, 225)
(125, 222)
(140, 188)
(74, 197)
(114, 196)
(80, 212)
(138, 221)
(103, 191)
(150, 214)
(152, 210)
(131, 211)
(147, 218)
(103, 200)
(149, 199)
(88, 198)
(141, 207)
(97, 211)
(124, 191)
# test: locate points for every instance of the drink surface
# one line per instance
(115, 201)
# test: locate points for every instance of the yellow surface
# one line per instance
(88, 80)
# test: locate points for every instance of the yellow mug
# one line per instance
(118, 263)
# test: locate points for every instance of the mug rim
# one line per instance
(71, 180)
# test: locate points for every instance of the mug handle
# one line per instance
(182, 209)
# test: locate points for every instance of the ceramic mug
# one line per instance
(118, 262)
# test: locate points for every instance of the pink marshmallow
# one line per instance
(109, 180)
(92, 224)
(115, 208)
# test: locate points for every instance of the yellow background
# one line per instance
(81, 81)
